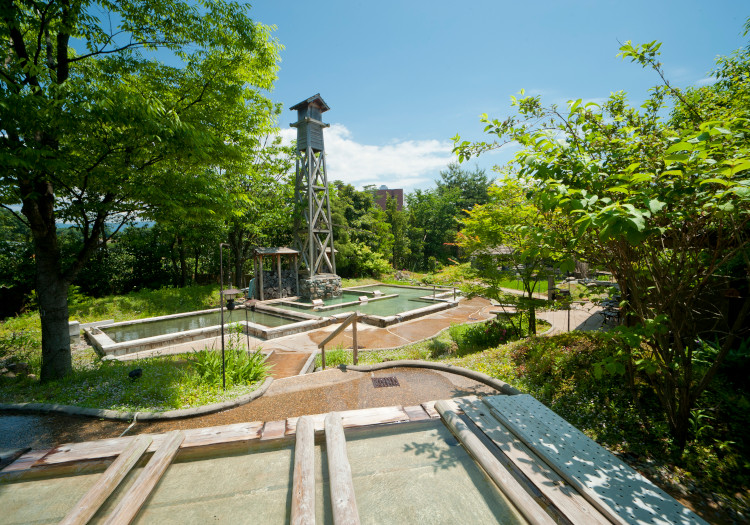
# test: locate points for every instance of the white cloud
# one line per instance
(400, 164)
(707, 81)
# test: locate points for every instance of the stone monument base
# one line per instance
(322, 286)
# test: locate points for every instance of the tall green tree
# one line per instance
(96, 129)
(264, 214)
(398, 221)
(509, 237)
(664, 205)
(432, 225)
(473, 186)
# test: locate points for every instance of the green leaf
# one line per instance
(678, 157)
(723, 182)
(620, 189)
(655, 205)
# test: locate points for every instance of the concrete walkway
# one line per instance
(467, 311)
(584, 318)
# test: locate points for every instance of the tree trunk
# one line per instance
(238, 264)
(183, 262)
(195, 272)
(51, 286)
(53, 311)
(532, 320)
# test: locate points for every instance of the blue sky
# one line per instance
(403, 77)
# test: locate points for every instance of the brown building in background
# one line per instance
(383, 193)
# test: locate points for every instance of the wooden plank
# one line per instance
(131, 503)
(569, 502)
(9, 455)
(343, 502)
(619, 492)
(356, 418)
(87, 506)
(303, 488)
(416, 413)
(429, 407)
(523, 501)
(273, 430)
(110, 448)
(25, 462)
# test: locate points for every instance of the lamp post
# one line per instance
(230, 294)
(221, 303)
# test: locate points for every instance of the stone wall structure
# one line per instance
(321, 286)
(288, 287)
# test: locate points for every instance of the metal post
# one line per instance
(570, 300)
(354, 336)
(323, 356)
(278, 270)
(221, 302)
(260, 265)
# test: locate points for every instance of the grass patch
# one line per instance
(166, 383)
(21, 336)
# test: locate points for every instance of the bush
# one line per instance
(475, 337)
(241, 367)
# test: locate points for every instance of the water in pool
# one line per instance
(408, 299)
(131, 332)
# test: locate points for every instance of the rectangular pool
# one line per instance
(122, 332)
(401, 299)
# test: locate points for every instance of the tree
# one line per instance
(509, 238)
(473, 186)
(103, 131)
(265, 216)
(432, 225)
(363, 238)
(398, 221)
(664, 205)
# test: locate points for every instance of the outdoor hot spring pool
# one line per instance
(394, 300)
(151, 328)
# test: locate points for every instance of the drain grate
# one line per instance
(380, 382)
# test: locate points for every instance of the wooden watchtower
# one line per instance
(313, 228)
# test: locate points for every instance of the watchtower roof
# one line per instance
(313, 99)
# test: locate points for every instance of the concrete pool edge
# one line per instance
(106, 347)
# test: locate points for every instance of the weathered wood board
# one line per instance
(618, 491)
(565, 498)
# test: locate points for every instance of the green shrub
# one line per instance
(475, 337)
(241, 367)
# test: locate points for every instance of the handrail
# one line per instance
(349, 320)
(353, 317)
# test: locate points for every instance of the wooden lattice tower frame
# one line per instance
(313, 227)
